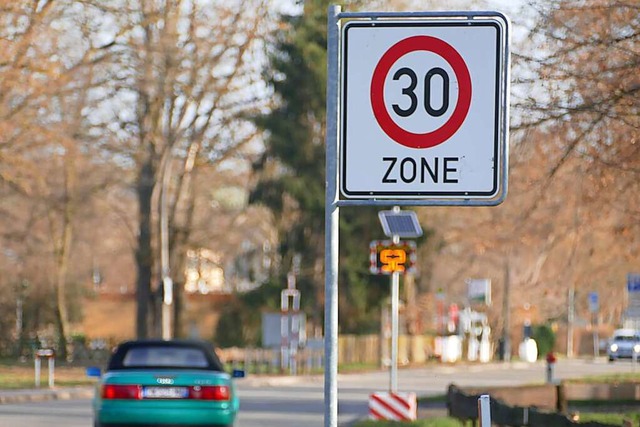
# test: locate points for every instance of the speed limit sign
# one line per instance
(423, 108)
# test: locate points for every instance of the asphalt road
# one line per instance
(295, 402)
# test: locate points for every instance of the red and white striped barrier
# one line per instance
(393, 406)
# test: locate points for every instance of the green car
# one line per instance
(165, 383)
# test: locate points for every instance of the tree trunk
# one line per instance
(180, 236)
(62, 249)
(179, 264)
(62, 323)
(179, 257)
(178, 309)
(62, 312)
(144, 252)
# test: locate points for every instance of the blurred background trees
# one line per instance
(106, 105)
(186, 76)
(569, 223)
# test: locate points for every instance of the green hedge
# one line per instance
(545, 339)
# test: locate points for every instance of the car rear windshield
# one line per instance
(625, 338)
(145, 354)
(170, 357)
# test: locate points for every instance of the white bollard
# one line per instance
(37, 368)
(484, 410)
(50, 356)
(52, 369)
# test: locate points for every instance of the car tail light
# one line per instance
(119, 391)
(208, 392)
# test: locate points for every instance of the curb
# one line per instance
(26, 396)
(273, 381)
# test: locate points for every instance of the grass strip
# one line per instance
(13, 377)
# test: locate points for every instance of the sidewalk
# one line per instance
(43, 394)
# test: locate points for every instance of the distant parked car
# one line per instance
(156, 382)
(624, 344)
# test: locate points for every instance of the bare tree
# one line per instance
(586, 95)
(49, 60)
(569, 219)
(187, 72)
(587, 83)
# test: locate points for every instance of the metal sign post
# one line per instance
(395, 302)
(331, 220)
(436, 165)
(484, 410)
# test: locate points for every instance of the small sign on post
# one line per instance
(594, 307)
(429, 120)
(49, 354)
(594, 303)
(479, 291)
(386, 257)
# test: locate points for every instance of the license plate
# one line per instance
(165, 392)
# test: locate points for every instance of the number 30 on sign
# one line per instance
(385, 257)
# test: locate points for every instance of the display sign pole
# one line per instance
(331, 218)
(395, 297)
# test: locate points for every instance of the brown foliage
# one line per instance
(571, 218)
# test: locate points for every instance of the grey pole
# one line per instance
(506, 313)
(332, 216)
(395, 302)
(484, 410)
(167, 283)
(37, 365)
(570, 320)
(395, 291)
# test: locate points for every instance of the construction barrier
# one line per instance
(393, 406)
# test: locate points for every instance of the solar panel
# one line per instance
(400, 223)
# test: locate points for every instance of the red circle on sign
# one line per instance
(444, 132)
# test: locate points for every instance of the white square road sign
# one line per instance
(422, 108)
